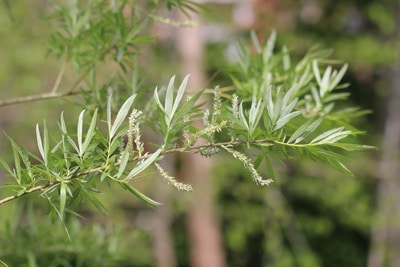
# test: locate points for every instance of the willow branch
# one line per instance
(3, 263)
(33, 98)
(102, 168)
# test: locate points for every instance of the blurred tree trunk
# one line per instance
(385, 235)
(202, 223)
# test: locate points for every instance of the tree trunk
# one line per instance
(202, 223)
(385, 234)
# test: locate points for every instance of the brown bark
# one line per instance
(385, 234)
(202, 223)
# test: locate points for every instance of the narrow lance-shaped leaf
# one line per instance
(324, 85)
(335, 137)
(317, 74)
(169, 98)
(288, 96)
(338, 77)
(286, 58)
(185, 108)
(63, 129)
(122, 113)
(255, 113)
(79, 132)
(269, 48)
(90, 132)
(325, 134)
(157, 98)
(285, 119)
(180, 93)
(242, 117)
(17, 163)
(288, 108)
(54, 208)
(141, 166)
(63, 197)
(304, 130)
(109, 100)
(7, 167)
(42, 145)
(140, 195)
(270, 102)
(123, 162)
(316, 97)
(255, 42)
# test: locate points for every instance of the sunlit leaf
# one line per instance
(123, 162)
(122, 113)
(79, 132)
(142, 165)
(90, 132)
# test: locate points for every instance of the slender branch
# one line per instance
(71, 90)
(102, 168)
(3, 263)
(59, 77)
(52, 94)
(33, 98)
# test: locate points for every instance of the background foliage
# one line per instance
(311, 216)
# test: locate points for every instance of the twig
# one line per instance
(102, 168)
(33, 98)
(59, 77)
(3, 263)
(53, 94)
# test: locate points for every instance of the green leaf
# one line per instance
(122, 113)
(169, 98)
(269, 48)
(17, 172)
(157, 98)
(243, 117)
(256, 111)
(186, 107)
(90, 132)
(142, 165)
(285, 58)
(326, 134)
(96, 203)
(171, 105)
(338, 77)
(317, 74)
(285, 119)
(124, 161)
(42, 145)
(54, 209)
(7, 167)
(351, 147)
(63, 197)
(140, 195)
(255, 42)
(304, 130)
(335, 137)
(289, 96)
(109, 122)
(180, 93)
(324, 85)
(79, 132)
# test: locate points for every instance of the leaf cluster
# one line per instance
(276, 109)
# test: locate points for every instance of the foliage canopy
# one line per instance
(277, 107)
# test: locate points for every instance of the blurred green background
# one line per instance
(311, 216)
